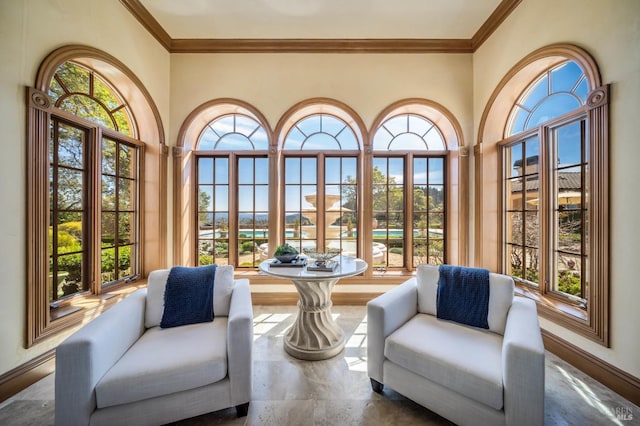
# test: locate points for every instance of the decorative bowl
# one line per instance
(322, 257)
(287, 258)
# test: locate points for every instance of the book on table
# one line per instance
(298, 262)
(328, 266)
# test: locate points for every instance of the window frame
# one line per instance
(233, 157)
(40, 323)
(489, 197)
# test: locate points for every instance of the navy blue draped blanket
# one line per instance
(463, 295)
(188, 296)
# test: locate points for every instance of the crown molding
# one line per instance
(321, 46)
(390, 45)
(148, 21)
(498, 16)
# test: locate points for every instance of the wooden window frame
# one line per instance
(488, 199)
(153, 200)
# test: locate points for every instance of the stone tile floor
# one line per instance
(287, 391)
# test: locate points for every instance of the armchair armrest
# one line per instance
(84, 357)
(240, 342)
(385, 314)
(523, 365)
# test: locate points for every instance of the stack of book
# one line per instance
(328, 266)
(298, 262)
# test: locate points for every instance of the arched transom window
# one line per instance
(409, 192)
(84, 93)
(560, 89)
(408, 132)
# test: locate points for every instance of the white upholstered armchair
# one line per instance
(470, 375)
(124, 369)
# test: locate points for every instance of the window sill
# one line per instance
(83, 308)
(550, 307)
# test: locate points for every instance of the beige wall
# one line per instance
(275, 82)
(610, 31)
(29, 31)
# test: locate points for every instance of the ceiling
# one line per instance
(322, 19)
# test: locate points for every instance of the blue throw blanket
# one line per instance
(463, 295)
(188, 296)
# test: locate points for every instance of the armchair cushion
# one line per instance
(500, 295)
(464, 359)
(188, 296)
(156, 286)
(166, 361)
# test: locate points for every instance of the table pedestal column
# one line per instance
(314, 335)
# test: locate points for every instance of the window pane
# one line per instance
(262, 170)
(349, 170)
(127, 165)
(222, 170)
(70, 147)
(205, 170)
(396, 170)
(221, 198)
(292, 170)
(245, 198)
(514, 228)
(569, 139)
(104, 94)
(70, 189)
(552, 107)
(565, 77)
(108, 232)
(513, 194)
(126, 194)
(536, 93)
(233, 142)
(245, 171)
(125, 228)
(332, 170)
(87, 108)
(309, 173)
(436, 170)
(408, 142)
(262, 198)
(514, 160)
(420, 171)
(569, 229)
(108, 193)
(532, 229)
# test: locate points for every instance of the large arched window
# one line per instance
(78, 156)
(554, 198)
(86, 204)
(232, 168)
(321, 168)
(409, 192)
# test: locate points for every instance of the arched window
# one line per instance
(79, 156)
(321, 168)
(232, 168)
(409, 192)
(561, 164)
(553, 205)
(88, 211)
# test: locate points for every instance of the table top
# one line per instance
(347, 266)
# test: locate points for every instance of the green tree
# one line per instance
(203, 204)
